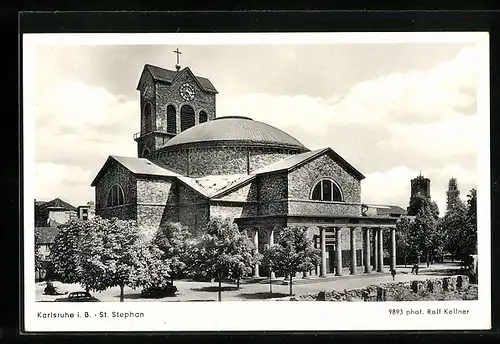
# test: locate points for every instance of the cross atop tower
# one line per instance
(177, 66)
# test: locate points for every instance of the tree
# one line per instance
(470, 233)
(173, 239)
(66, 252)
(295, 252)
(417, 202)
(452, 195)
(224, 252)
(453, 225)
(103, 253)
(39, 258)
(403, 244)
(271, 258)
(423, 234)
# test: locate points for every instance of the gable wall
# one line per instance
(273, 193)
(302, 180)
(117, 174)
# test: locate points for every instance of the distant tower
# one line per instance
(420, 188)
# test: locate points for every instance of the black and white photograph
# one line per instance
(232, 174)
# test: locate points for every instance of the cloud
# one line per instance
(389, 127)
(77, 127)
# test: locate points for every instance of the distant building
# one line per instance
(48, 216)
(86, 212)
(383, 210)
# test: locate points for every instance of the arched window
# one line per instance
(148, 119)
(326, 190)
(203, 116)
(115, 196)
(187, 117)
(171, 120)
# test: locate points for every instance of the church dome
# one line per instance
(237, 130)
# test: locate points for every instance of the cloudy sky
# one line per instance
(389, 109)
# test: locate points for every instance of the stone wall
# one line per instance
(217, 160)
(307, 206)
(260, 157)
(400, 291)
(302, 180)
(117, 174)
(272, 191)
(232, 210)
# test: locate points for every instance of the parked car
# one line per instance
(157, 292)
(51, 290)
(78, 296)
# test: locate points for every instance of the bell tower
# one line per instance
(172, 101)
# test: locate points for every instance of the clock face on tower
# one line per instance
(187, 91)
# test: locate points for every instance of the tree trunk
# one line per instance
(291, 276)
(121, 293)
(427, 258)
(220, 290)
(270, 282)
(405, 260)
(238, 282)
(172, 279)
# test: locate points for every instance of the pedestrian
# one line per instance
(393, 273)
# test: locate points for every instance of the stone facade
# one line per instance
(302, 179)
(203, 161)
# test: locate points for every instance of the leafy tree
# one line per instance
(417, 202)
(174, 240)
(39, 259)
(452, 195)
(102, 253)
(423, 234)
(453, 225)
(66, 251)
(271, 258)
(470, 233)
(294, 252)
(224, 252)
(403, 244)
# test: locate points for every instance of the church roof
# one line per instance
(167, 76)
(288, 164)
(139, 166)
(386, 209)
(238, 130)
(56, 203)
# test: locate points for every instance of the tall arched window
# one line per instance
(115, 196)
(148, 118)
(326, 190)
(171, 120)
(187, 117)
(203, 116)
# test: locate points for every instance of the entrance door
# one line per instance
(330, 259)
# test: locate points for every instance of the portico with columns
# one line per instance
(349, 245)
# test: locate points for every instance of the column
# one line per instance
(271, 242)
(367, 233)
(338, 252)
(322, 243)
(316, 267)
(393, 248)
(353, 250)
(380, 264)
(375, 249)
(256, 243)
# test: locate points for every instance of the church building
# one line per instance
(192, 165)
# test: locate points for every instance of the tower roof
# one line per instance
(167, 76)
